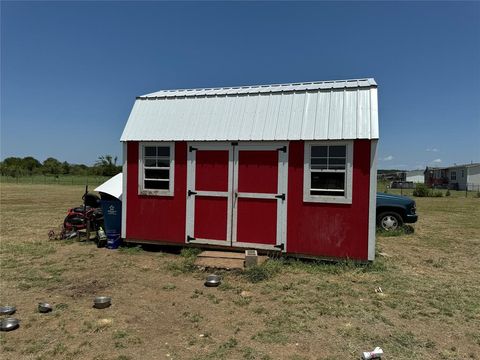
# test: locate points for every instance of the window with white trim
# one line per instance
(453, 175)
(156, 168)
(328, 172)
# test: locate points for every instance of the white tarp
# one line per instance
(112, 186)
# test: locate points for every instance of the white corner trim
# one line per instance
(171, 187)
(372, 206)
(124, 190)
(347, 198)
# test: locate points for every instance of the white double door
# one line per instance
(236, 194)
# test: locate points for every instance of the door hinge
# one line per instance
(234, 143)
(281, 246)
(281, 196)
(190, 238)
(191, 148)
(190, 193)
(283, 148)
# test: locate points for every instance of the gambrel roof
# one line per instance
(324, 110)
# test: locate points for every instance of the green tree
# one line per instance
(66, 168)
(12, 166)
(106, 165)
(31, 165)
(52, 166)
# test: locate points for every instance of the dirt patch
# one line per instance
(85, 288)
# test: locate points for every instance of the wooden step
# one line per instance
(222, 255)
(224, 260)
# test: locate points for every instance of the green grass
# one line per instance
(131, 249)
(186, 262)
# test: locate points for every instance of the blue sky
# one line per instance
(70, 71)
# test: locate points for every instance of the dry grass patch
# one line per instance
(429, 307)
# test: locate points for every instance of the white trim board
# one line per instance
(281, 189)
(171, 171)
(124, 189)
(347, 198)
(372, 204)
(191, 161)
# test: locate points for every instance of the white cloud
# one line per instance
(388, 158)
(437, 161)
(432, 150)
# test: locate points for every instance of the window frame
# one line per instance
(453, 175)
(344, 199)
(141, 169)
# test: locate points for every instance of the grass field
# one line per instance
(55, 180)
(429, 307)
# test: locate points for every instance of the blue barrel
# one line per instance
(112, 216)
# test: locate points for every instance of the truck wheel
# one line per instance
(389, 221)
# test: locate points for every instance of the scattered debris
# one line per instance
(385, 255)
(375, 354)
(246, 294)
(378, 290)
(103, 323)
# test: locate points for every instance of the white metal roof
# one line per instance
(112, 186)
(327, 110)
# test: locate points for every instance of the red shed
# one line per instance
(288, 168)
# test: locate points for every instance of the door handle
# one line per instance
(281, 196)
(190, 193)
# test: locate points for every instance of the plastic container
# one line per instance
(112, 216)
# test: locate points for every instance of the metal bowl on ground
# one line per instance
(102, 302)
(44, 307)
(9, 324)
(7, 310)
(212, 280)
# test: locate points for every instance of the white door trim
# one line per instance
(282, 189)
(190, 221)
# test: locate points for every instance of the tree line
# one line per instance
(105, 165)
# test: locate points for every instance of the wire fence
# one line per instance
(473, 187)
(55, 180)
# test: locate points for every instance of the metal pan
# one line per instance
(9, 324)
(7, 310)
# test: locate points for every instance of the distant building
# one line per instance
(415, 176)
(458, 177)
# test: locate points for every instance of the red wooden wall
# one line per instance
(336, 230)
(160, 218)
(331, 230)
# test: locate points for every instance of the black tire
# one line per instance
(389, 220)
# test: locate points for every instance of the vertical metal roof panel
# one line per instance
(363, 114)
(297, 115)
(308, 124)
(283, 118)
(322, 117)
(349, 130)
(336, 115)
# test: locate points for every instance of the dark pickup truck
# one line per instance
(394, 210)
